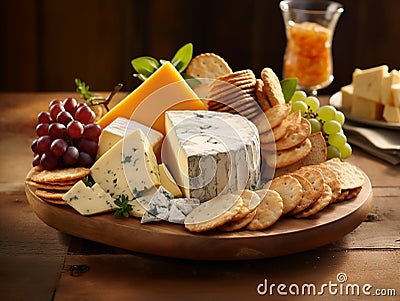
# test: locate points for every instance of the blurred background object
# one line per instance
(46, 44)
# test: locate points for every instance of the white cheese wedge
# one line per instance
(396, 95)
(168, 181)
(129, 167)
(210, 153)
(391, 114)
(388, 81)
(89, 200)
(121, 127)
(366, 109)
(367, 83)
(347, 97)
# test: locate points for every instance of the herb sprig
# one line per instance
(147, 65)
(125, 208)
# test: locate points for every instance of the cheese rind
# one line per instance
(121, 127)
(89, 200)
(164, 89)
(129, 167)
(211, 153)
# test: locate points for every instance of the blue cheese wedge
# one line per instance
(122, 127)
(209, 153)
(163, 206)
(89, 200)
(129, 167)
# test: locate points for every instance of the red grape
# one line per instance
(75, 129)
(34, 146)
(42, 129)
(92, 131)
(71, 155)
(58, 147)
(55, 109)
(88, 146)
(36, 160)
(43, 144)
(56, 130)
(84, 160)
(64, 117)
(85, 115)
(44, 117)
(53, 102)
(49, 161)
(70, 105)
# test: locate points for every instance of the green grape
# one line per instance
(333, 152)
(315, 125)
(326, 113)
(298, 96)
(345, 150)
(337, 139)
(313, 103)
(299, 106)
(339, 116)
(331, 127)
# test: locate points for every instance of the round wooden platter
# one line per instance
(287, 236)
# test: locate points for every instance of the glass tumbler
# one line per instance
(310, 25)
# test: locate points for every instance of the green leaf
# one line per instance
(83, 89)
(288, 88)
(183, 57)
(145, 65)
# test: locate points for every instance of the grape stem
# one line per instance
(96, 100)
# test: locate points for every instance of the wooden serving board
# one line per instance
(288, 235)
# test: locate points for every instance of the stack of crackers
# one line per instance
(51, 185)
(300, 194)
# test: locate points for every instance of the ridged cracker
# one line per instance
(213, 213)
(315, 177)
(272, 87)
(288, 157)
(331, 179)
(208, 65)
(269, 210)
(318, 205)
(308, 197)
(272, 118)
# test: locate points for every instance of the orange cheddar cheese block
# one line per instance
(164, 90)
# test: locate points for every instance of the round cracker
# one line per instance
(59, 175)
(309, 195)
(330, 178)
(49, 194)
(208, 65)
(290, 190)
(323, 201)
(350, 176)
(272, 87)
(213, 213)
(315, 177)
(288, 157)
(272, 117)
(49, 187)
(239, 224)
(269, 210)
(261, 97)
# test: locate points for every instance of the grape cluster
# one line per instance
(326, 119)
(67, 136)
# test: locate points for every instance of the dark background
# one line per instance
(46, 44)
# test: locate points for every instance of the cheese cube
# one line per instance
(347, 97)
(396, 95)
(164, 90)
(391, 114)
(89, 200)
(366, 109)
(367, 83)
(209, 153)
(121, 127)
(388, 81)
(168, 181)
(129, 167)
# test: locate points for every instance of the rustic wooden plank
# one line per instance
(131, 277)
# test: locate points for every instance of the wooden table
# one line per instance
(35, 259)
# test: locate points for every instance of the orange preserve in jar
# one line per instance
(308, 54)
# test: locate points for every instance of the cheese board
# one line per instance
(287, 236)
(336, 101)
